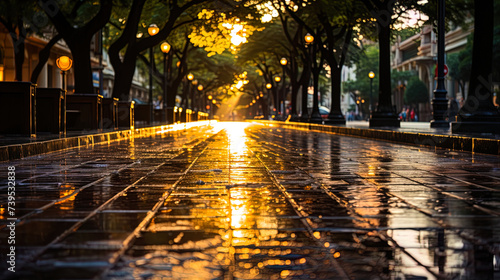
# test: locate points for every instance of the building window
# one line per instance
(410, 53)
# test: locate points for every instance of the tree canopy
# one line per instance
(218, 40)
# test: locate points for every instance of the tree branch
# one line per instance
(43, 56)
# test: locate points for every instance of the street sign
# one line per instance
(445, 70)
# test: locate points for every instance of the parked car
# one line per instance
(323, 111)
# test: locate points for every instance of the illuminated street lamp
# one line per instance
(277, 79)
(309, 38)
(283, 62)
(152, 30)
(189, 95)
(64, 63)
(315, 115)
(269, 85)
(371, 75)
(165, 49)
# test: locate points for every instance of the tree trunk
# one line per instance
(478, 113)
(305, 79)
(19, 45)
(335, 116)
(295, 88)
(82, 66)
(123, 81)
(43, 56)
(384, 115)
(316, 69)
(19, 58)
(384, 85)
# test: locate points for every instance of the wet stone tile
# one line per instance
(165, 222)
(113, 222)
(41, 232)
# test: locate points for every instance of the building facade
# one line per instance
(419, 53)
(50, 76)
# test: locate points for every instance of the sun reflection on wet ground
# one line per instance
(241, 201)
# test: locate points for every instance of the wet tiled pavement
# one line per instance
(242, 201)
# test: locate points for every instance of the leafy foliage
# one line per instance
(366, 63)
(219, 32)
(416, 92)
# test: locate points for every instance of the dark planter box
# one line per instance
(178, 114)
(18, 108)
(84, 112)
(110, 113)
(183, 114)
(171, 115)
(51, 110)
(142, 114)
(194, 116)
(126, 114)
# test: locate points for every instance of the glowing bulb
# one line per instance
(64, 63)
(165, 47)
(153, 29)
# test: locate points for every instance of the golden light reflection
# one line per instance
(237, 140)
(371, 170)
(239, 209)
(68, 195)
(131, 148)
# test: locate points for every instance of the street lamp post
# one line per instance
(371, 75)
(201, 105)
(315, 115)
(283, 62)
(64, 63)
(194, 106)
(277, 79)
(165, 48)
(152, 30)
(209, 106)
(269, 86)
(189, 103)
(439, 102)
